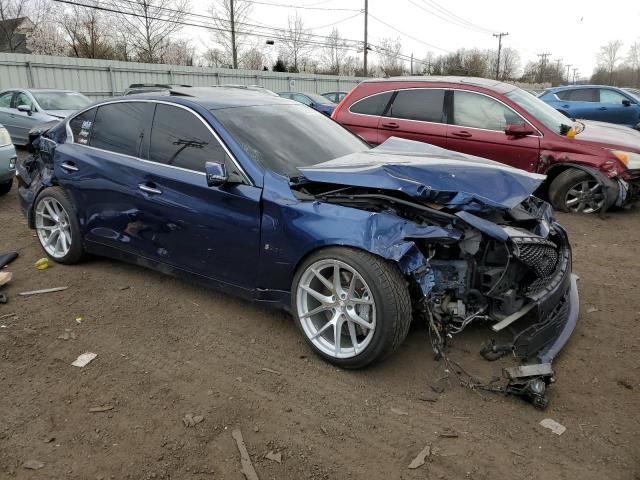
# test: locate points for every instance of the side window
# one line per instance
(23, 99)
(479, 111)
(610, 96)
(5, 99)
(579, 95)
(373, 105)
(118, 127)
(302, 99)
(180, 138)
(419, 104)
(81, 126)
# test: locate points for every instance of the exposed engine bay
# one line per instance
(496, 267)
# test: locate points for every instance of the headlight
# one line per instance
(5, 138)
(631, 160)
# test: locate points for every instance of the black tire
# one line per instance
(564, 182)
(6, 187)
(76, 251)
(391, 296)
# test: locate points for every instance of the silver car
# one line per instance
(22, 109)
(8, 159)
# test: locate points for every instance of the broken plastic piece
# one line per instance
(84, 359)
(7, 258)
(554, 426)
(42, 264)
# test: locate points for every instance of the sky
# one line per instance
(572, 31)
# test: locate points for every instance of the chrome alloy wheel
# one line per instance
(53, 228)
(336, 308)
(585, 197)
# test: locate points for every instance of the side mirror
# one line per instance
(216, 174)
(626, 103)
(519, 130)
(25, 108)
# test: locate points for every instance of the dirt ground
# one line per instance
(167, 348)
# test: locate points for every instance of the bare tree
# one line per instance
(224, 17)
(509, 63)
(47, 39)
(389, 52)
(215, 57)
(18, 20)
(294, 42)
(179, 52)
(152, 24)
(633, 60)
(334, 53)
(609, 56)
(253, 59)
(87, 33)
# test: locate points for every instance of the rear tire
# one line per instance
(6, 187)
(57, 227)
(369, 306)
(577, 191)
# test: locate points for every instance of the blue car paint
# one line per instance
(598, 111)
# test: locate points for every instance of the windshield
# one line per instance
(61, 100)
(283, 138)
(546, 114)
(635, 93)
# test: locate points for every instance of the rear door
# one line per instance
(415, 114)
(617, 108)
(579, 103)
(478, 124)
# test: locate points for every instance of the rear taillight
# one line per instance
(336, 110)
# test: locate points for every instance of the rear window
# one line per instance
(419, 104)
(579, 95)
(118, 127)
(373, 105)
(81, 126)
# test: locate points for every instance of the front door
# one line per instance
(477, 127)
(617, 108)
(22, 122)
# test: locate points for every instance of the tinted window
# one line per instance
(118, 127)
(181, 139)
(5, 99)
(374, 105)
(610, 96)
(479, 111)
(81, 126)
(419, 104)
(284, 137)
(302, 99)
(579, 95)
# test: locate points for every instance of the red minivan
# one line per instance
(590, 166)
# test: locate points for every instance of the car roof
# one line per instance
(213, 98)
(39, 90)
(573, 87)
(494, 85)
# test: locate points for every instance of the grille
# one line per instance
(541, 255)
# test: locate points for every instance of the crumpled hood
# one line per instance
(430, 174)
(610, 135)
(60, 113)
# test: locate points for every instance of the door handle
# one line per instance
(69, 167)
(392, 125)
(145, 187)
(602, 108)
(461, 134)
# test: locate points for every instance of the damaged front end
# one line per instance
(507, 265)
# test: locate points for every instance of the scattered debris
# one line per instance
(5, 277)
(3, 298)
(49, 439)
(592, 309)
(429, 397)
(399, 411)
(517, 453)
(125, 287)
(554, 426)
(42, 264)
(33, 464)
(448, 433)
(275, 456)
(46, 290)
(84, 359)
(7, 315)
(420, 458)
(68, 334)
(104, 408)
(324, 430)
(191, 420)
(270, 370)
(247, 467)
(623, 382)
(78, 320)
(437, 387)
(7, 258)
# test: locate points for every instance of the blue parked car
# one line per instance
(269, 200)
(313, 100)
(595, 102)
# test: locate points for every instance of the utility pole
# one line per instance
(543, 64)
(234, 51)
(499, 36)
(366, 27)
(575, 70)
(568, 78)
(411, 63)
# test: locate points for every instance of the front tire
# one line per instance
(353, 308)
(577, 191)
(57, 228)
(5, 187)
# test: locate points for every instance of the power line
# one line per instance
(471, 27)
(302, 7)
(407, 35)
(449, 13)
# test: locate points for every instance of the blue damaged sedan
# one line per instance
(267, 199)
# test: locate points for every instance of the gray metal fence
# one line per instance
(105, 78)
